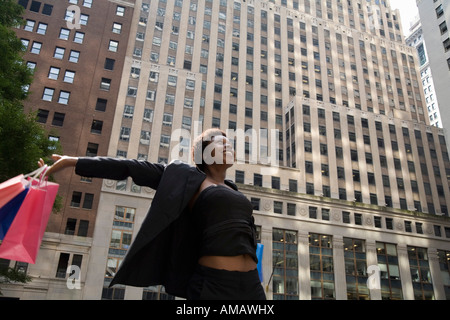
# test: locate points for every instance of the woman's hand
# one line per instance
(61, 162)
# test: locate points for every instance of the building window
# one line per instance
(92, 149)
(345, 217)
(420, 273)
(109, 64)
(35, 6)
(164, 142)
(74, 56)
(312, 212)
(124, 134)
(446, 44)
(321, 267)
(76, 199)
(83, 228)
(257, 179)
(42, 116)
(105, 84)
(70, 226)
(78, 37)
(63, 263)
(120, 242)
(356, 269)
(326, 214)
(391, 286)
(358, 219)
(24, 3)
(145, 137)
(120, 11)
(88, 201)
(443, 27)
(389, 223)
(113, 46)
(42, 28)
(439, 11)
(53, 73)
(36, 47)
(58, 119)
(128, 112)
(278, 207)
(285, 265)
(59, 53)
(101, 104)
(64, 97)
(293, 185)
(64, 34)
(167, 119)
(239, 178)
(69, 76)
(310, 188)
(276, 183)
(255, 203)
(291, 208)
(444, 263)
(117, 28)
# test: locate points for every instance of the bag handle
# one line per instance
(37, 174)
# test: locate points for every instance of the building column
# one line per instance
(267, 267)
(436, 277)
(340, 282)
(304, 281)
(405, 272)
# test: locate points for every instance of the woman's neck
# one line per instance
(216, 174)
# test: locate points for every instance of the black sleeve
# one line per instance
(143, 173)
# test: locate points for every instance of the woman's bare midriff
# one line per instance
(242, 263)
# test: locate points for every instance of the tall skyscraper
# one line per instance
(324, 102)
(435, 16)
(416, 40)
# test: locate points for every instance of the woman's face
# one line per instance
(220, 151)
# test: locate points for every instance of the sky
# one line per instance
(408, 11)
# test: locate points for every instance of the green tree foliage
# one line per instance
(14, 73)
(22, 140)
(10, 275)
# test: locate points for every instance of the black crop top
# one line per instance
(225, 221)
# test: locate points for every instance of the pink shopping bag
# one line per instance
(51, 189)
(24, 237)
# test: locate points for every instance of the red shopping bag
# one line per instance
(24, 237)
(11, 188)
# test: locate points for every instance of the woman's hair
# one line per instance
(201, 142)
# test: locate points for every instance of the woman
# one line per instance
(198, 238)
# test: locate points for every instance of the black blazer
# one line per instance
(165, 250)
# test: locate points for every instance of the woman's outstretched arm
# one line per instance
(143, 173)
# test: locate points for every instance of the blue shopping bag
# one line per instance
(259, 255)
(9, 211)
